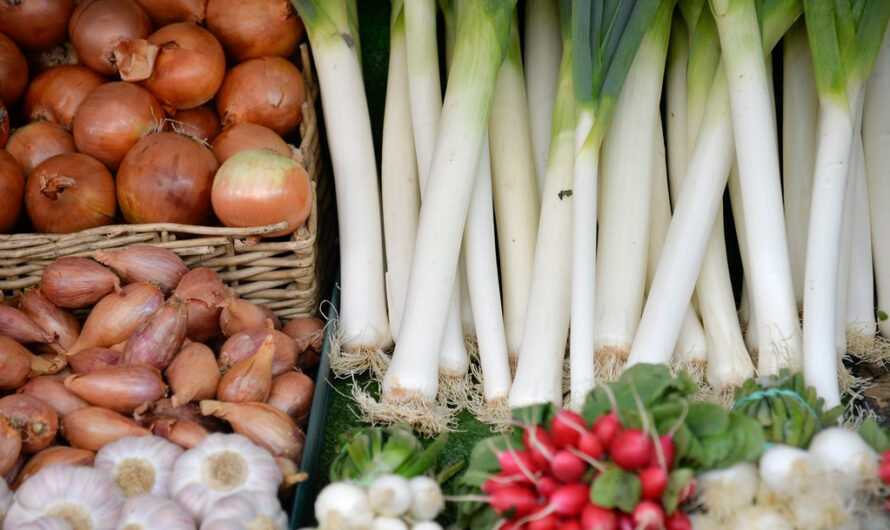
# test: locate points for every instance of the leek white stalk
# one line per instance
(516, 198)
(543, 49)
(746, 306)
(758, 159)
(800, 110)
(860, 324)
(399, 181)
(876, 143)
(845, 255)
(363, 321)
(538, 376)
(840, 80)
(482, 34)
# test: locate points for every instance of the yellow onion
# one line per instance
(38, 141)
(245, 135)
(51, 390)
(4, 125)
(97, 26)
(269, 91)
(145, 263)
(56, 94)
(59, 55)
(239, 314)
(193, 374)
(93, 427)
(204, 291)
(13, 71)
(10, 446)
(250, 379)
(242, 345)
(36, 421)
(163, 12)
(255, 28)
(265, 425)
(50, 317)
(92, 359)
(58, 454)
(292, 394)
(35, 24)
(12, 185)
(116, 316)
(121, 388)
(201, 123)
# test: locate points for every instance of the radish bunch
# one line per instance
(600, 476)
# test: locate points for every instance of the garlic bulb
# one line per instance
(6, 498)
(149, 512)
(83, 496)
(247, 509)
(220, 465)
(139, 464)
(47, 522)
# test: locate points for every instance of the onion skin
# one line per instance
(163, 12)
(37, 142)
(97, 26)
(265, 425)
(258, 187)
(15, 364)
(116, 316)
(308, 332)
(68, 193)
(242, 345)
(166, 178)
(292, 394)
(245, 135)
(92, 359)
(201, 123)
(12, 190)
(113, 118)
(10, 446)
(145, 263)
(189, 67)
(184, 433)
(13, 71)
(19, 326)
(92, 428)
(255, 28)
(59, 55)
(56, 94)
(36, 24)
(58, 454)
(269, 91)
(193, 375)
(250, 379)
(51, 390)
(204, 291)
(159, 337)
(36, 421)
(50, 317)
(121, 388)
(73, 283)
(239, 315)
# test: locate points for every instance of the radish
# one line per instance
(541, 447)
(589, 444)
(502, 480)
(631, 449)
(687, 491)
(666, 443)
(678, 521)
(566, 467)
(550, 521)
(566, 428)
(654, 482)
(884, 472)
(570, 525)
(598, 518)
(547, 485)
(569, 501)
(517, 462)
(648, 515)
(606, 428)
(518, 499)
(626, 522)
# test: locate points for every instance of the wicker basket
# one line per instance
(289, 275)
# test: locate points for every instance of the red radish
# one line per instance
(507, 525)
(885, 456)
(547, 485)
(631, 449)
(667, 449)
(566, 467)
(648, 515)
(565, 428)
(678, 521)
(598, 518)
(570, 525)
(654, 481)
(884, 472)
(570, 500)
(547, 522)
(626, 522)
(590, 444)
(521, 500)
(503, 479)
(606, 428)
(541, 447)
(687, 491)
(517, 462)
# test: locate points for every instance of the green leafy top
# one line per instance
(875, 435)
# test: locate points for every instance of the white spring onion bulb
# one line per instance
(83, 496)
(139, 464)
(220, 465)
(427, 525)
(246, 510)
(390, 495)
(47, 522)
(149, 512)
(427, 499)
(388, 523)
(343, 505)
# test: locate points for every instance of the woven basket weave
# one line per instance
(289, 275)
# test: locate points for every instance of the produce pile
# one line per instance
(164, 353)
(138, 112)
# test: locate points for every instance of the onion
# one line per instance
(244, 344)
(51, 390)
(204, 291)
(166, 178)
(93, 428)
(38, 141)
(19, 326)
(10, 446)
(112, 119)
(268, 91)
(265, 425)
(77, 282)
(121, 388)
(116, 316)
(15, 363)
(50, 317)
(35, 24)
(292, 394)
(184, 433)
(255, 28)
(145, 263)
(258, 187)
(12, 190)
(243, 136)
(58, 454)
(69, 193)
(159, 337)
(56, 94)
(250, 379)
(163, 12)
(92, 359)
(189, 67)
(13, 71)
(193, 374)
(201, 123)
(308, 332)
(36, 421)
(4, 125)
(239, 314)
(60, 55)
(97, 26)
